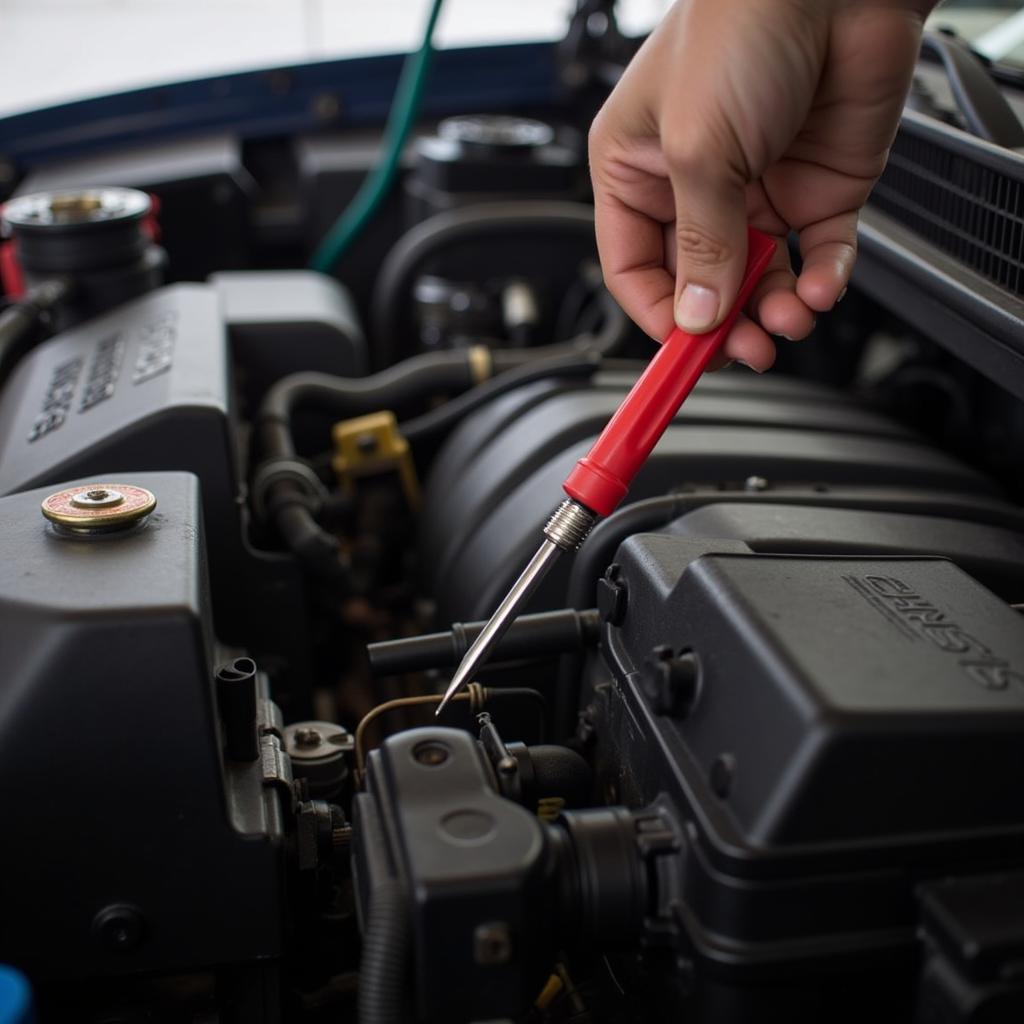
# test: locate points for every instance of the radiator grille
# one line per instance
(963, 205)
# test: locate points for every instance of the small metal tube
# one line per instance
(565, 531)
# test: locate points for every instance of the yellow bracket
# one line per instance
(550, 807)
(371, 445)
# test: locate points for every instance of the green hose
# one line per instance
(377, 183)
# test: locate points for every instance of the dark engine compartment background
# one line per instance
(754, 754)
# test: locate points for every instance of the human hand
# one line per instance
(779, 113)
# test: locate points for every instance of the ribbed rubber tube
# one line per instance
(387, 946)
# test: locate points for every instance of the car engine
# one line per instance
(754, 754)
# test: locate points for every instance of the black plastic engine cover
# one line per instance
(147, 387)
(500, 475)
(128, 843)
(858, 726)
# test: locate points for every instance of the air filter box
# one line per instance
(830, 732)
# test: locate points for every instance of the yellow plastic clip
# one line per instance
(547, 994)
(550, 807)
(369, 445)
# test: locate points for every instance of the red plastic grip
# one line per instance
(601, 478)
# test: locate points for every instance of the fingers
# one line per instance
(775, 303)
(748, 344)
(710, 235)
(829, 250)
(633, 261)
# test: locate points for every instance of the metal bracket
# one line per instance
(276, 766)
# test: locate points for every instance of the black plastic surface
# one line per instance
(973, 929)
(283, 321)
(146, 388)
(840, 686)
(856, 727)
(113, 791)
(469, 860)
(501, 473)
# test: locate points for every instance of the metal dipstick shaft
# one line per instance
(565, 531)
(600, 480)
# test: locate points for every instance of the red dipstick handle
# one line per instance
(601, 478)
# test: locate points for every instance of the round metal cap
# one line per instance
(98, 507)
(75, 207)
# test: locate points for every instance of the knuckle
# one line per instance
(686, 153)
(604, 148)
(596, 134)
(700, 247)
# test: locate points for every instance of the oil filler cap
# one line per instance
(98, 508)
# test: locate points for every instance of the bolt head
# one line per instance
(308, 737)
(97, 497)
(119, 928)
(430, 753)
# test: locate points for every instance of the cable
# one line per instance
(475, 694)
(478, 696)
(377, 184)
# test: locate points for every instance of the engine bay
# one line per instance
(754, 754)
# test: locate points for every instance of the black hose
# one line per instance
(284, 490)
(454, 227)
(580, 357)
(414, 378)
(387, 948)
(19, 321)
(288, 494)
(444, 417)
(536, 635)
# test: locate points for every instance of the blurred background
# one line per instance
(99, 46)
(94, 47)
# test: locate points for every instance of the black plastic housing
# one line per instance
(500, 474)
(477, 871)
(856, 726)
(148, 387)
(129, 843)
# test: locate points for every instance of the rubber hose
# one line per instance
(18, 322)
(387, 948)
(606, 342)
(414, 378)
(446, 416)
(314, 547)
(352, 396)
(374, 190)
(452, 228)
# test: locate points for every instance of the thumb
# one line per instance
(710, 241)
